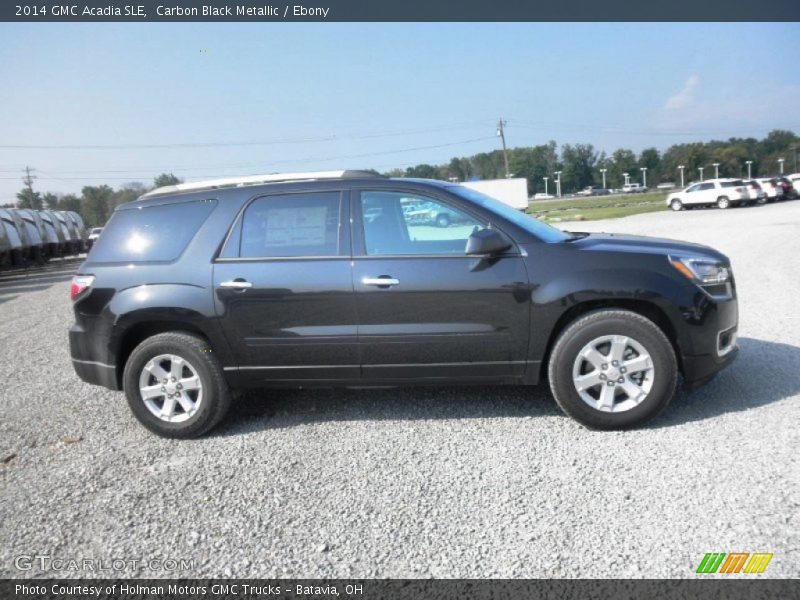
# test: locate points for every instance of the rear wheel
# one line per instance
(676, 205)
(723, 202)
(174, 385)
(612, 369)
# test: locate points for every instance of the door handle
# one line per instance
(382, 281)
(236, 284)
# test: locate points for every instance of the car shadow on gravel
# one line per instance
(764, 372)
(276, 408)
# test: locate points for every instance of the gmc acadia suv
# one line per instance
(327, 279)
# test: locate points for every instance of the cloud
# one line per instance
(685, 96)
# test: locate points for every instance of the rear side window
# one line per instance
(152, 233)
(737, 183)
(290, 225)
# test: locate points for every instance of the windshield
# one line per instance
(543, 231)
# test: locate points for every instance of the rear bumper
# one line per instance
(88, 364)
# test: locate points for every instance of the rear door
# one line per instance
(428, 311)
(284, 292)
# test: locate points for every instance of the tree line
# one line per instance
(95, 203)
(579, 164)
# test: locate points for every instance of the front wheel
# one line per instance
(676, 205)
(612, 369)
(174, 385)
(723, 202)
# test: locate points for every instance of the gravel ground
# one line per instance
(475, 482)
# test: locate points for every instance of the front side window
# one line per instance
(407, 223)
(291, 225)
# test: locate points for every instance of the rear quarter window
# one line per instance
(151, 233)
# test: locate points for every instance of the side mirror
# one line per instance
(487, 242)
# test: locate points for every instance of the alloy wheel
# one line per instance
(170, 388)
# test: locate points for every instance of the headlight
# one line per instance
(701, 270)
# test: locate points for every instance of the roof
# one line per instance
(212, 184)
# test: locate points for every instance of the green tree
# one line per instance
(71, 202)
(166, 179)
(96, 204)
(50, 200)
(577, 169)
(27, 198)
(622, 161)
(423, 171)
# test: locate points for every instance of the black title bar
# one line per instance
(401, 10)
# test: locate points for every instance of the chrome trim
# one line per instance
(731, 345)
(380, 281)
(93, 362)
(448, 364)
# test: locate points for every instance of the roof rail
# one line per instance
(211, 184)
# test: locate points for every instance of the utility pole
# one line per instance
(28, 180)
(502, 134)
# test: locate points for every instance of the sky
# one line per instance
(86, 104)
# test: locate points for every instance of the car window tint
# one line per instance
(407, 223)
(291, 225)
(693, 188)
(150, 233)
(706, 186)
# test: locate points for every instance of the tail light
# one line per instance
(80, 283)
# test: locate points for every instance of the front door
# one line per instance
(284, 292)
(426, 310)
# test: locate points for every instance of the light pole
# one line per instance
(627, 178)
(749, 164)
(644, 176)
(603, 171)
(716, 170)
(701, 173)
(780, 162)
(682, 167)
(558, 183)
(545, 185)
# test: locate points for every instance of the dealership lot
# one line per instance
(452, 482)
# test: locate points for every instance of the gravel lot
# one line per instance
(475, 482)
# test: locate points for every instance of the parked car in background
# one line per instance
(592, 190)
(94, 233)
(785, 184)
(722, 193)
(756, 190)
(36, 233)
(795, 179)
(279, 280)
(669, 185)
(770, 186)
(543, 196)
(55, 234)
(80, 226)
(18, 249)
(75, 243)
(633, 188)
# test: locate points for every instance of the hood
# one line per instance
(639, 244)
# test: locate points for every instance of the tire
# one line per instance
(676, 205)
(200, 363)
(761, 200)
(723, 202)
(442, 221)
(657, 381)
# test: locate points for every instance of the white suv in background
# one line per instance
(720, 192)
(769, 185)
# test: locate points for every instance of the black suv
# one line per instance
(327, 279)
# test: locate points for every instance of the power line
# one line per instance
(328, 138)
(267, 164)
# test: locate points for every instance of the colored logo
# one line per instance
(735, 562)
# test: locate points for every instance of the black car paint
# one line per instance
(310, 321)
